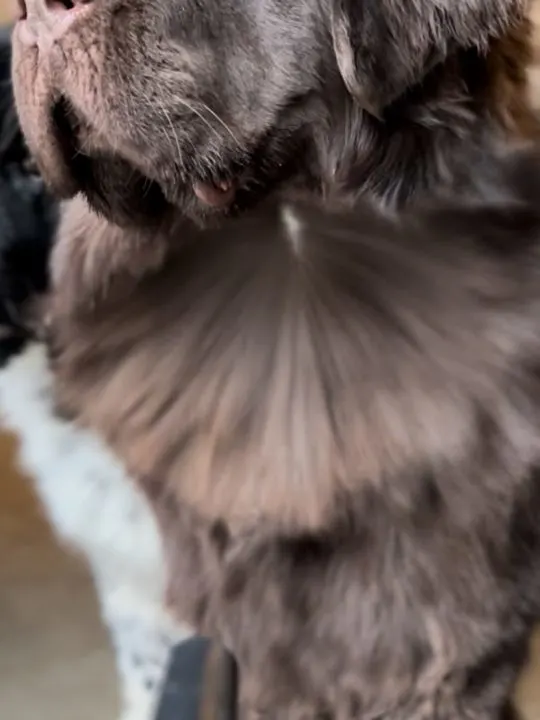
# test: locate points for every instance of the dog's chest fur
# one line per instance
(252, 383)
(268, 373)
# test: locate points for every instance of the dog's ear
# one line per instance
(384, 47)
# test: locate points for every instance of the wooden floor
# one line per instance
(55, 662)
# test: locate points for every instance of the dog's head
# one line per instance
(203, 105)
(283, 364)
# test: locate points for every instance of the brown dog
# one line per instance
(335, 417)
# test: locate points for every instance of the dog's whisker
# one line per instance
(222, 123)
(174, 139)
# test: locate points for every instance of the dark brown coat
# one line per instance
(335, 419)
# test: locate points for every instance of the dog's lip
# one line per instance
(61, 179)
(216, 195)
(55, 169)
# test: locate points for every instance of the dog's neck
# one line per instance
(417, 146)
(467, 106)
(218, 373)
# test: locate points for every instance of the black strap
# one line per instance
(201, 683)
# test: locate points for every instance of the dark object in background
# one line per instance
(28, 218)
(12, 146)
(201, 683)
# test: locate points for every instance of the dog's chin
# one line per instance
(123, 186)
(112, 186)
(127, 188)
(72, 160)
(127, 197)
(119, 192)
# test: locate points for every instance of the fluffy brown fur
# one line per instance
(337, 419)
(334, 417)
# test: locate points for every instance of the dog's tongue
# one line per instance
(219, 195)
